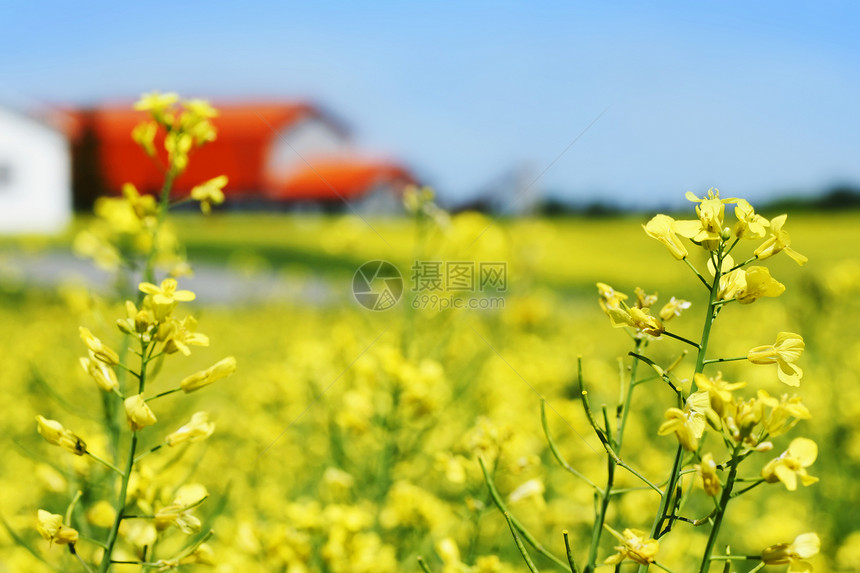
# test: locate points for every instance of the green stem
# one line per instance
(746, 489)
(716, 360)
(629, 397)
(571, 562)
(743, 264)
(164, 205)
(606, 446)
(126, 475)
(83, 563)
(663, 567)
(71, 508)
(721, 511)
(105, 463)
(557, 454)
(698, 274)
(497, 499)
(681, 338)
(165, 393)
(154, 449)
(423, 565)
(522, 549)
(120, 507)
(700, 365)
(600, 518)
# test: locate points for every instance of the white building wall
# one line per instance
(306, 139)
(35, 176)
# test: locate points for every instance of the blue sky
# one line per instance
(755, 98)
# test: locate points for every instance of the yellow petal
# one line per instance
(804, 450)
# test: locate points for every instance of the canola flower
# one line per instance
(332, 522)
(791, 465)
(784, 353)
(803, 547)
(131, 231)
(707, 409)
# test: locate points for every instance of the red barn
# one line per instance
(272, 151)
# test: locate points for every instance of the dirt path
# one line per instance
(213, 284)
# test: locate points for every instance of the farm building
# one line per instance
(277, 152)
(35, 180)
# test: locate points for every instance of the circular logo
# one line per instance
(377, 285)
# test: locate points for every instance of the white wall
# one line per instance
(35, 176)
(307, 138)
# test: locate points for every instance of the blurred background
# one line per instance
(550, 132)
(483, 101)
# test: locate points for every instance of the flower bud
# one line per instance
(56, 434)
(103, 374)
(97, 347)
(138, 413)
(50, 526)
(199, 428)
(203, 378)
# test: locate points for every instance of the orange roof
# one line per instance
(245, 135)
(338, 178)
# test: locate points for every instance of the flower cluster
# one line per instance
(131, 232)
(132, 226)
(156, 331)
(716, 428)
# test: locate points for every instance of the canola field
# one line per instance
(348, 440)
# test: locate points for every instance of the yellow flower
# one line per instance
(645, 322)
(138, 413)
(178, 145)
(719, 390)
(637, 546)
(749, 225)
(56, 434)
(138, 323)
(178, 515)
(779, 240)
(801, 454)
(741, 416)
(662, 228)
(673, 308)
(731, 283)
(644, 300)
(103, 374)
(50, 526)
(707, 470)
(200, 107)
(784, 353)
(144, 135)
(707, 231)
(181, 334)
(609, 297)
(197, 429)
(210, 193)
(156, 102)
(99, 350)
(784, 414)
(687, 424)
(166, 294)
(758, 283)
(142, 205)
(219, 370)
(804, 546)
